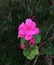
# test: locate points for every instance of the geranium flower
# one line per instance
(27, 29)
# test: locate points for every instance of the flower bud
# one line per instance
(22, 46)
(31, 42)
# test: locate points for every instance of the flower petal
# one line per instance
(34, 24)
(28, 21)
(22, 26)
(35, 31)
(28, 37)
(21, 33)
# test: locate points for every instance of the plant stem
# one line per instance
(35, 61)
(48, 59)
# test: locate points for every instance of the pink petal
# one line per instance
(28, 37)
(28, 21)
(28, 32)
(21, 33)
(35, 31)
(34, 24)
(22, 26)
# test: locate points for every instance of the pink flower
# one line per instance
(27, 30)
(31, 42)
(22, 46)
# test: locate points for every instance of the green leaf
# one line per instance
(22, 40)
(35, 50)
(30, 54)
(37, 39)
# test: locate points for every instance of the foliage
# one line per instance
(30, 53)
(37, 39)
(22, 40)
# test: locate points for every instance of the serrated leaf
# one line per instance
(30, 54)
(37, 39)
(22, 41)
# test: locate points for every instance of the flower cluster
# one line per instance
(27, 30)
